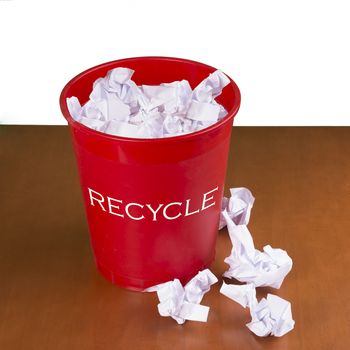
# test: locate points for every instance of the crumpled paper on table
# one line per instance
(247, 264)
(238, 206)
(183, 303)
(270, 316)
(117, 106)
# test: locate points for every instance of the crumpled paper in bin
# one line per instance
(117, 106)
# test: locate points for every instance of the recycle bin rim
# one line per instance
(64, 108)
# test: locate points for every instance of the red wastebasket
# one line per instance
(152, 205)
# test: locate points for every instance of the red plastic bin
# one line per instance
(152, 205)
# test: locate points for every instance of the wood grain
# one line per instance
(51, 296)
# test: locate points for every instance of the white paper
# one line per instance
(120, 128)
(238, 207)
(74, 107)
(165, 110)
(203, 111)
(199, 285)
(247, 264)
(210, 87)
(183, 303)
(271, 316)
(244, 294)
(183, 98)
(95, 124)
(194, 312)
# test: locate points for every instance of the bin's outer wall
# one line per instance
(136, 254)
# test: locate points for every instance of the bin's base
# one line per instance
(139, 285)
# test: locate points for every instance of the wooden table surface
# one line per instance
(51, 296)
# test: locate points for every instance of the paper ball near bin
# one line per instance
(152, 205)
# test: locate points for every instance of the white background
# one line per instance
(291, 59)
